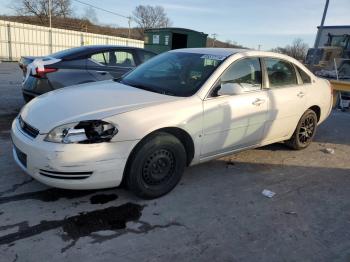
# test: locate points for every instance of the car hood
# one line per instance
(87, 102)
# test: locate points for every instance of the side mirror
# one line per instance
(230, 89)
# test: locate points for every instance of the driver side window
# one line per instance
(245, 73)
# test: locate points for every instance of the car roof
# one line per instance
(212, 51)
(226, 52)
(231, 51)
(97, 47)
(77, 52)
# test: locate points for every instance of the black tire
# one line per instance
(156, 166)
(304, 132)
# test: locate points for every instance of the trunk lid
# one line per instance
(25, 61)
(35, 65)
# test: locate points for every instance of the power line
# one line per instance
(111, 12)
(102, 9)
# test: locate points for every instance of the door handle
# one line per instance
(258, 101)
(102, 72)
(301, 94)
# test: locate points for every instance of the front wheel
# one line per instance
(304, 132)
(156, 166)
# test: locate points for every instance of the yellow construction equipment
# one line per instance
(339, 86)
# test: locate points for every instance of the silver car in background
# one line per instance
(78, 65)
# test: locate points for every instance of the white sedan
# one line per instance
(180, 108)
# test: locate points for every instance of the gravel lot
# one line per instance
(216, 213)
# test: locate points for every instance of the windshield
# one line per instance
(174, 73)
(339, 40)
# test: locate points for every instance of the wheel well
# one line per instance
(184, 138)
(179, 133)
(317, 110)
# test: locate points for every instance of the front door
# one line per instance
(235, 121)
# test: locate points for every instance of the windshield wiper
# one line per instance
(147, 88)
(167, 93)
(117, 79)
(140, 87)
(163, 92)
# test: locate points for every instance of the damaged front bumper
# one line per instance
(70, 166)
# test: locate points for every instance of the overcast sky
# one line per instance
(269, 23)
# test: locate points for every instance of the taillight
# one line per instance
(41, 73)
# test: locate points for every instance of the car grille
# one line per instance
(65, 175)
(28, 129)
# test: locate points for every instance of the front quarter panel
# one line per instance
(185, 113)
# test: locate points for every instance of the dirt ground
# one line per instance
(216, 213)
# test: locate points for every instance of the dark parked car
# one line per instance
(77, 66)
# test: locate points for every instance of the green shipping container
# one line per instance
(160, 40)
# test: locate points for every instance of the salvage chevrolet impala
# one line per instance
(180, 108)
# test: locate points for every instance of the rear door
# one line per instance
(111, 64)
(287, 98)
(121, 61)
(96, 65)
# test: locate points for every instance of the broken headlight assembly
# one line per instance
(83, 132)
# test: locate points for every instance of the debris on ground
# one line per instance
(329, 151)
(290, 213)
(268, 193)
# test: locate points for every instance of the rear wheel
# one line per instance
(305, 131)
(156, 166)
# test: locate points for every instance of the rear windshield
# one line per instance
(68, 52)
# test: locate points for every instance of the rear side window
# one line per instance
(281, 73)
(245, 72)
(115, 58)
(101, 58)
(304, 76)
(122, 59)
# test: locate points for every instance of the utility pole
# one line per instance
(319, 32)
(214, 38)
(129, 22)
(50, 30)
(50, 7)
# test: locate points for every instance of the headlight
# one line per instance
(84, 132)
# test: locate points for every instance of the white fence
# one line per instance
(17, 39)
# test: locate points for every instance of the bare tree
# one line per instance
(297, 49)
(63, 7)
(40, 8)
(90, 15)
(147, 16)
